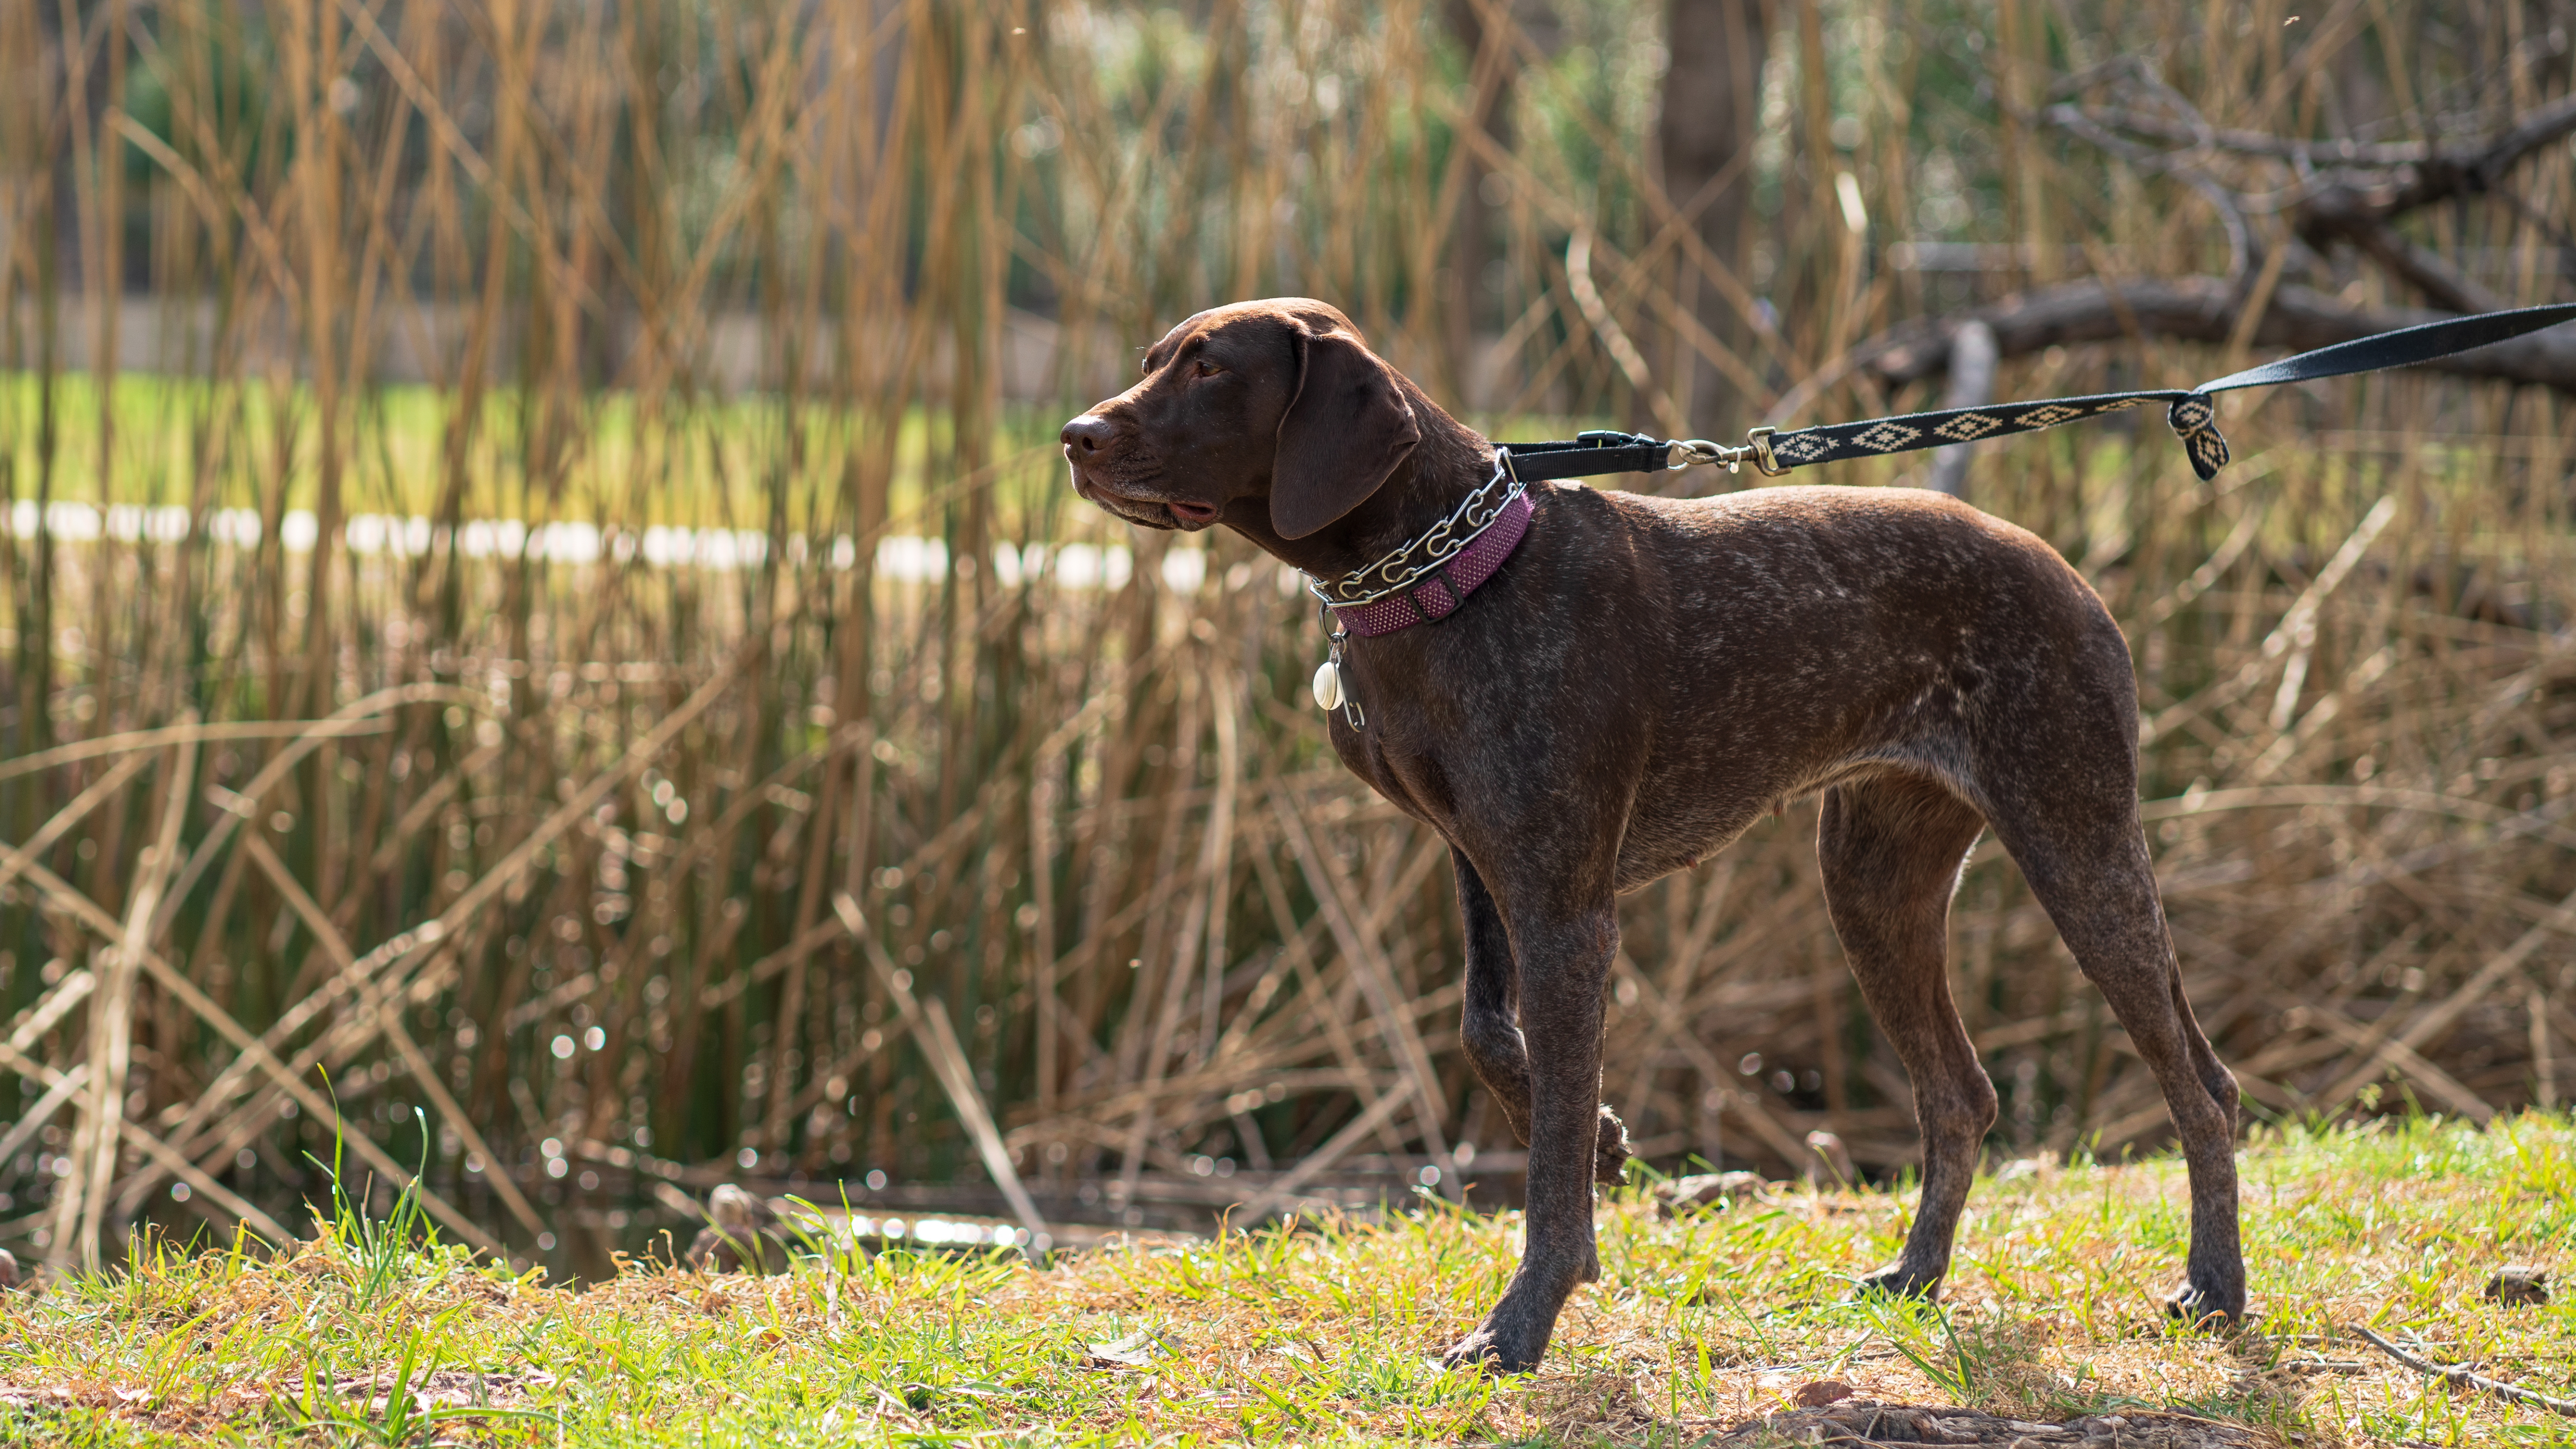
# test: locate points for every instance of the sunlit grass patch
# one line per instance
(1331, 1329)
(693, 457)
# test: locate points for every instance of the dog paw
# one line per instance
(1486, 1349)
(1610, 1154)
(2214, 1308)
(1898, 1281)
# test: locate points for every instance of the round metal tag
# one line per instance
(1328, 686)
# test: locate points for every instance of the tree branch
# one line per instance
(2374, 157)
(2198, 309)
(2439, 177)
(2349, 192)
(2438, 172)
(2340, 211)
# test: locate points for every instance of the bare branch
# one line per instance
(2242, 254)
(2199, 309)
(2348, 191)
(2340, 211)
(2379, 157)
(2440, 177)
(2441, 171)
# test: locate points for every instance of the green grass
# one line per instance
(695, 465)
(1327, 1331)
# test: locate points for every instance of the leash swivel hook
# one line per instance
(1683, 452)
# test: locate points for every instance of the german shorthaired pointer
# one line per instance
(1635, 681)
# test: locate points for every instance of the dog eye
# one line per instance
(1206, 368)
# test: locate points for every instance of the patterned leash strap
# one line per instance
(2191, 414)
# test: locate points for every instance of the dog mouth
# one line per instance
(1174, 513)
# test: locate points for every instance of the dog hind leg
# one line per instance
(2089, 868)
(1891, 850)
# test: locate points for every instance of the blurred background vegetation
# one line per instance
(541, 630)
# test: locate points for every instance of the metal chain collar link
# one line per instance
(1420, 557)
(1446, 540)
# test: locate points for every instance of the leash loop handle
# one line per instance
(2194, 419)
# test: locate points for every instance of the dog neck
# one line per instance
(1451, 462)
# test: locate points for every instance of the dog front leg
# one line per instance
(1564, 966)
(1490, 1030)
(1488, 1027)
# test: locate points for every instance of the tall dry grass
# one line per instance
(621, 874)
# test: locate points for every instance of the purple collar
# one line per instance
(1428, 578)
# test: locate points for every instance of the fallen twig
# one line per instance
(2467, 1379)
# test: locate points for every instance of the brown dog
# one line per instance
(1644, 678)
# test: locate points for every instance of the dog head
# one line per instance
(1272, 417)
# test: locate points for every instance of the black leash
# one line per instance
(2191, 414)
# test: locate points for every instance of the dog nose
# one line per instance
(1090, 433)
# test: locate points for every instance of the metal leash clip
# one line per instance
(1683, 452)
(1763, 463)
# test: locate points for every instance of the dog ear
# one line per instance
(1345, 431)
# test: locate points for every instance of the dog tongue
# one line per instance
(1194, 512)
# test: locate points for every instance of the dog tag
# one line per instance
(1328, 686)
